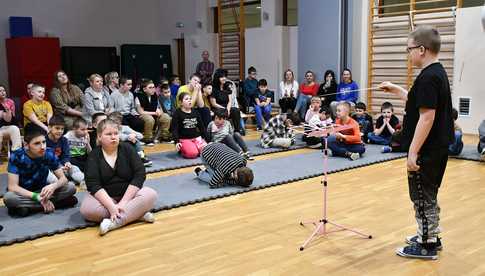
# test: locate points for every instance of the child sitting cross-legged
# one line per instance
(315, 117)
(221, 130)
(127, 134)
(346, 143)
(386, 125)
(365, 121)
(78, 140)
(59, 144)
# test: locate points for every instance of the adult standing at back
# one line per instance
(427, 133)
(288, 92)
(66, 98)
(346, 90)
(205, 68)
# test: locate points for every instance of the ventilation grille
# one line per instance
(464, 105)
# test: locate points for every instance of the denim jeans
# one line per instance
(457, 146)
(341, 148)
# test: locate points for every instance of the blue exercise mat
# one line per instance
(185, 189)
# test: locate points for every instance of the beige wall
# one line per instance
(469, 76)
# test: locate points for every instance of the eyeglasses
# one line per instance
(409, 49)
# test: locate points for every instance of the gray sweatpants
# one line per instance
(13, 200)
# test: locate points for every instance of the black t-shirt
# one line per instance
(431, 89)
(187, 125)
(221, 96)
(148, 103)
(394, 122)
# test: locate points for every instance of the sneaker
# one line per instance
(146, 162)
(148, 142)
(259, 129)
(156, 141)
(248, 155)
(412, 240)
(107, 225)
(197, 171)
(18, 212)
(482, 155)
(386, 149)
(316, 146)
(148, 217)
(354, 156)
(67, 202)
(417, 251)
(168, 142)
(1, 228)
(142, 143)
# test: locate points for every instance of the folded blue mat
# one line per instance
(185, 189)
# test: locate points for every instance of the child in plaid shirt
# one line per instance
(278, 132)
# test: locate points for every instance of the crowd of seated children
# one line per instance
(481, 142)
(194, 89)
(124, 102)
(262, 103)
(129, 135)
(346, 143)
(66, 98)
(28, 188)
(288, 92)
(250, 87)
(328, 88)
(308, 89)
(37, 111)
(188, 130)
(79, 143)
(60, 145)
(386, 125)
(365, 121)
(114, 178)
(221, 131)
(223, 97)
(96, 98)
(151, 113)
(457, 146)
(223, 166)
(278, 132)
(8, 121)
(346, 90)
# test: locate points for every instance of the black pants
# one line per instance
(287, 103)
(235, 142)
(79, 161)
(423, 191)
(134, 122)
(235, 118)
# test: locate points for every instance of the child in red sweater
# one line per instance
(346, 143)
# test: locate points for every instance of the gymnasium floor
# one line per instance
(258, 233)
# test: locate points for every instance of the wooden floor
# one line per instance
(258, 233)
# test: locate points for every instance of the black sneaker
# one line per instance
(412, 240)
(1, 228)
(146, 162)
(67, 202)
(197, 171)
(18, 212)
(148, 142)
(417, 251)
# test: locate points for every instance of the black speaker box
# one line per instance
(80, 62)
(146, 61)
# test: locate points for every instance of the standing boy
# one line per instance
(427, 132)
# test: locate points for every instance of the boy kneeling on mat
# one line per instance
(224, 167)
(28, 168)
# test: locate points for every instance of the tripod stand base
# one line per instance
(321, 230)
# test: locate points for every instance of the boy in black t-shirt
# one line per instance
(386, 125)
(365, 121)
(427, 132)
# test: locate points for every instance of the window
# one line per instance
(252, 16)
(400, 6)
(290, 12)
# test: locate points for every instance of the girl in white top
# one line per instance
(288, 92)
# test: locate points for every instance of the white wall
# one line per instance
(469, 65)
(104, 23)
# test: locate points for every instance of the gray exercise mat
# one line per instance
(170, 160)
(469, 152)
(185, 189)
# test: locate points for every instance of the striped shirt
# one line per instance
(223, 161)
(276, 128)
